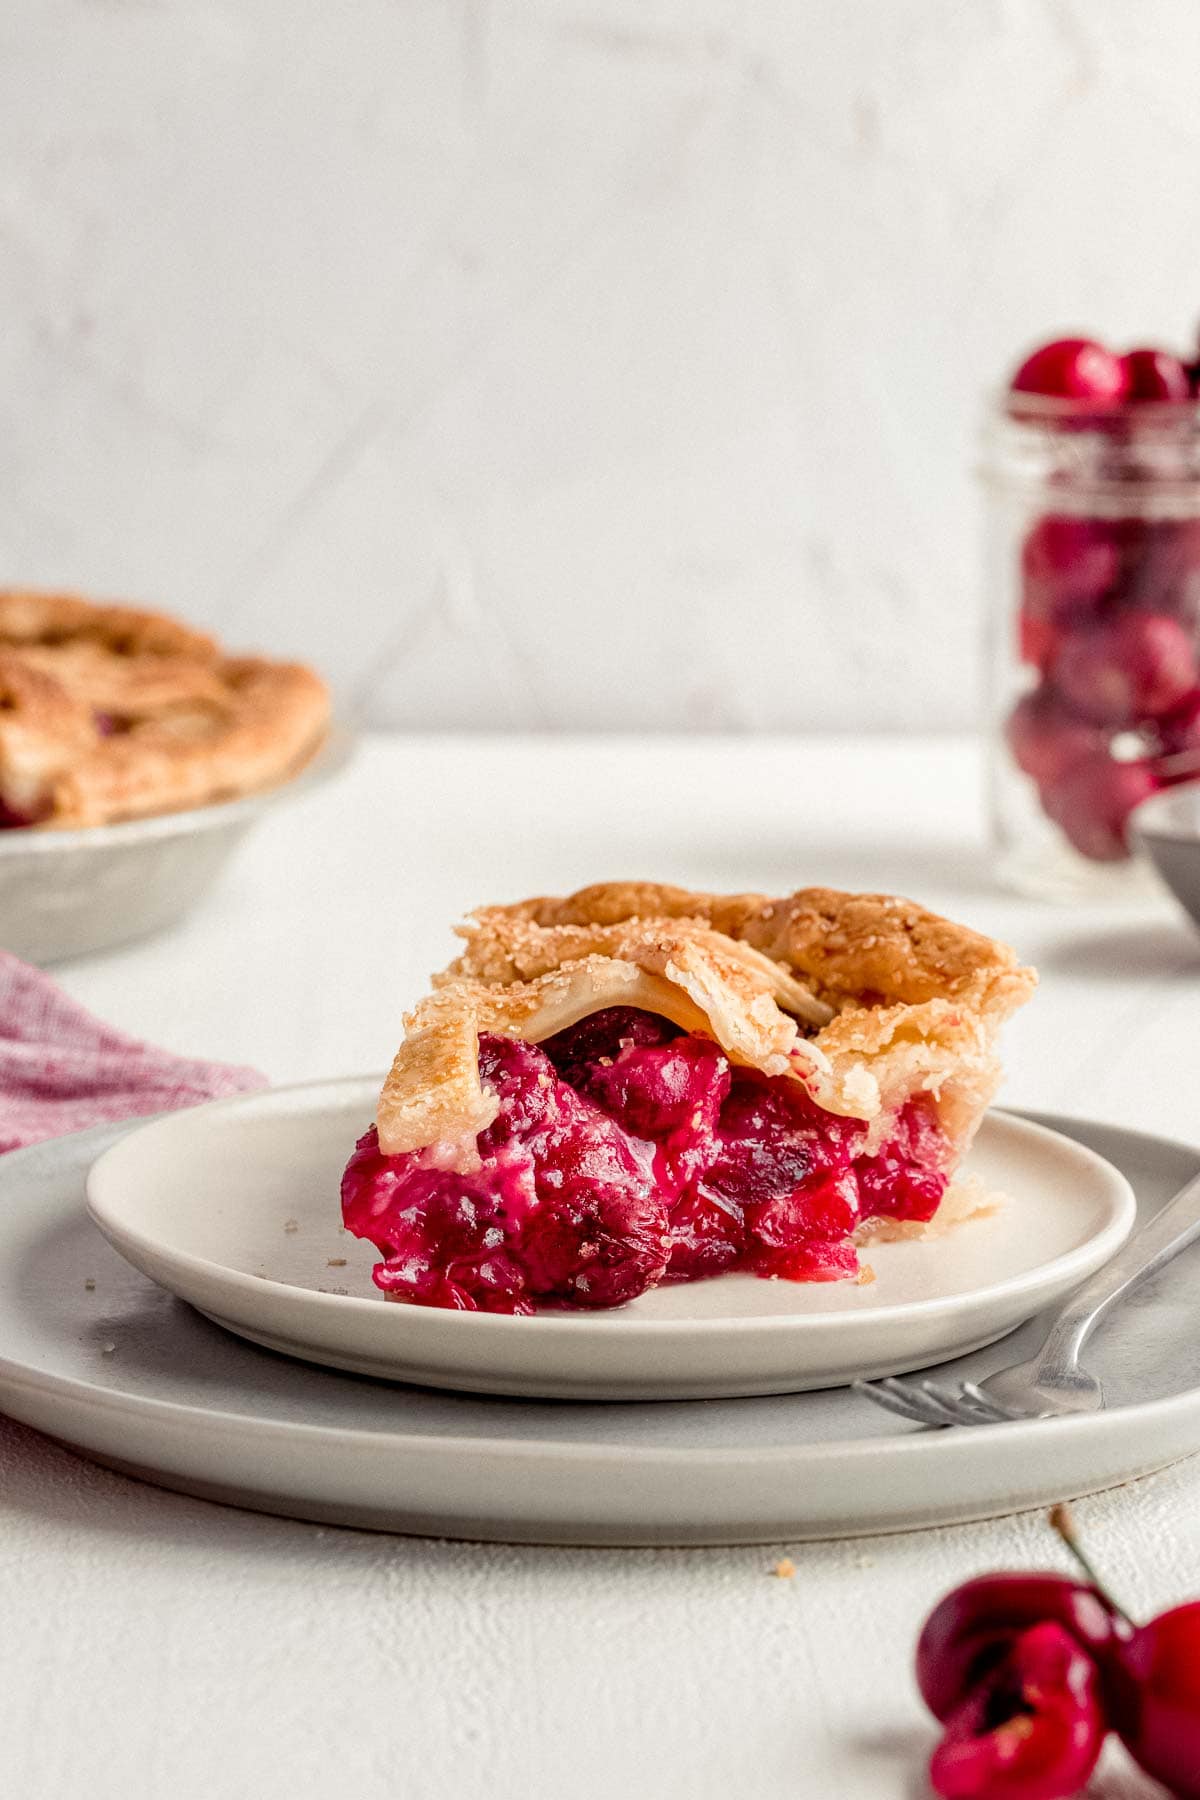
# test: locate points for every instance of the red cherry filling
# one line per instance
(779, 1173)
(905, 1179)
(444, 1235)
(668, 1093)
(625, 1153)
(602, 1036)
(562, 1206)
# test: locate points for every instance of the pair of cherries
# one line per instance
(1028, 1673)
(1110, 609)
(1081, 369)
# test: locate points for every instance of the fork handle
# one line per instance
(1155, 1243)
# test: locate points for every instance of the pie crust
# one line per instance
(108, 713)
(866, 999)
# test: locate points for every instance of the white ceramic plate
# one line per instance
(102, 1358)
(234, 1207)
(67, 893)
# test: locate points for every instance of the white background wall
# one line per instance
(592, 363)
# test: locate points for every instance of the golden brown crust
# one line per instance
(268, 721)
(865, 998)
(117, 713)
(847, 945)
(29, 616)
(530, 984)
(503, 947)
(139, 686)
(43, 729)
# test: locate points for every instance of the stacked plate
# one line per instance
(179, 1300)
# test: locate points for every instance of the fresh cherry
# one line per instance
(1136, 666)
(1032, 1728)
(1037, 640)
(1155, 375)
(1180, 730)
(970, 1631)
(1026, 1673)
(1069, 565)
(1092, 802)
(1072, 369)
(1151, 1679)
(1046, 740)
(1156, 1699)
(1161, 572)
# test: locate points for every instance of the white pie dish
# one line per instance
(234, 1207)
(67, 893)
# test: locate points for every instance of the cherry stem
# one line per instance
(1063, 1523)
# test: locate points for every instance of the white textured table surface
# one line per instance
(152, 1645)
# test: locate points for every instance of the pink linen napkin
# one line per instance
(62, 1070)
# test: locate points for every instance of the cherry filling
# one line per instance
(626, 1153)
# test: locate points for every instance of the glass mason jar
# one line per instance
(1094, 632)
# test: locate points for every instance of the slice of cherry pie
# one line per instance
(109, 713)
(639, 1085)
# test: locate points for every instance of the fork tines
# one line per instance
(925, 1403)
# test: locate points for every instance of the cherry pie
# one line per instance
(638, 1084)
(108, 713)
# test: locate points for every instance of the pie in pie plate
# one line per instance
(642, 1143)
(134, 754)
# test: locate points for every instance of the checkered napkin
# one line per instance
(62, 1070)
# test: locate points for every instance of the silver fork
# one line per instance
(1053, 1381)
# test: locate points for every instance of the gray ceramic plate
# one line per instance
(1167, 830)
(135, 1379)
(65, 893)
